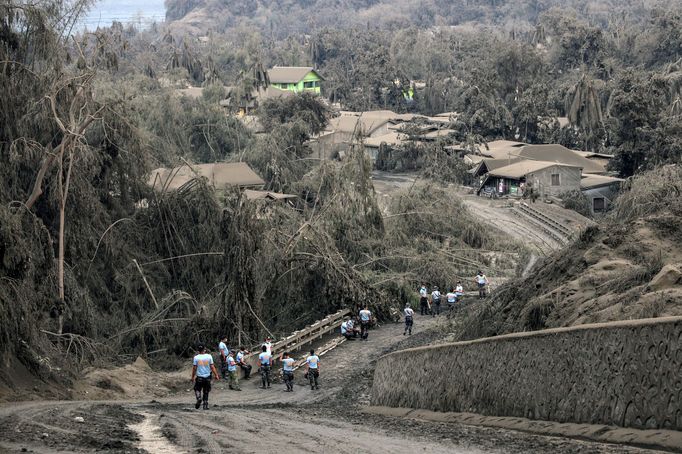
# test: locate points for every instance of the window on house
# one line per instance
(556, 179)
(311, 84)
(598, 204)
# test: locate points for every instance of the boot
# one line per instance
(205, 405)
(198, 404)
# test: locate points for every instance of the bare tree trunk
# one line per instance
(63, 194)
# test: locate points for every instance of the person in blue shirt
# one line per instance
(202, 367)
(312, 369)
(224, 352)
(435, 302)
(241, 361)
(288, 371)
(365, 319)
(264, 364)
(232, 370)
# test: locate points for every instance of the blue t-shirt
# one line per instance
(224, 349)
(343, 327)
(203, 362)
(231, 364)
(265, 358)
(240, 357)
(365, 315)
(312, 361)
(288, 364)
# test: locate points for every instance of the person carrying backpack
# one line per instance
(435, 302)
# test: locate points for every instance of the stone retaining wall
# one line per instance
(626, 374)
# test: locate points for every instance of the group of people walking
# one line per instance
(231, 361)
(203, 369)
(430, 303)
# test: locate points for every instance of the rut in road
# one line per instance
(255, 420)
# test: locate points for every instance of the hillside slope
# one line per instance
(294, 16)
(627, 267)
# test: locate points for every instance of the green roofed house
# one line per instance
(295, 78)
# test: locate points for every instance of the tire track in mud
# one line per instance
(256, 421)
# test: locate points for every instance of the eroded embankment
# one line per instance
(622, 373)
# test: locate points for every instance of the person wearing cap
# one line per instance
(202, 367)
(264, 364)
(409, 319)
(288, 370)
(232, 370)
(243, 365)
(435, 302)
(224, 352)
(268, 345)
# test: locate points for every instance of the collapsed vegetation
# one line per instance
(627, 267)
(96, 267)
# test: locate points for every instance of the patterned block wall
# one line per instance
(623, 373)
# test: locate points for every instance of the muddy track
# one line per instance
(254, 421)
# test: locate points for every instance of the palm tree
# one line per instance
(584, 110)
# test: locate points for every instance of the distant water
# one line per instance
(142, 12)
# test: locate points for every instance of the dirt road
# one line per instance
(492, 212)
(256, 420)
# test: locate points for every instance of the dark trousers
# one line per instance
(223, 367)
(265, 375)
(408, 324)
(364, 330)
(423, 306)
(289, 380)
(202, 385)
(312, 377)
(247, 370)
(435, 308)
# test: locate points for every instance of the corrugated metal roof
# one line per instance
(220, 175)
(290, 74)
(595, 181)
(523, 168)
(392, 138)
(500, 149)
(560, 155)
